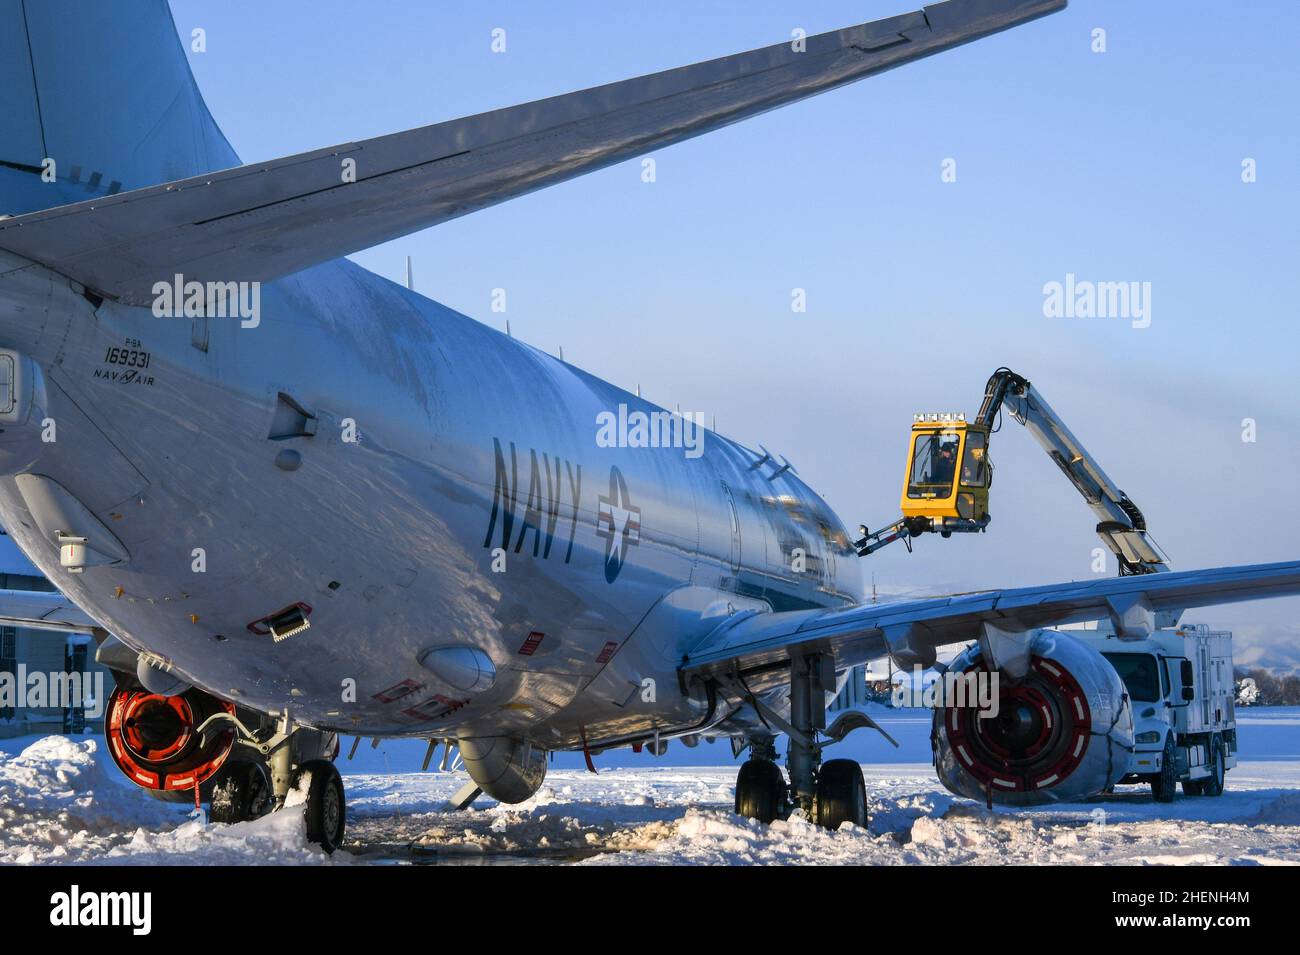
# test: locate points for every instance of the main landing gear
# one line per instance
(269, 765)
(241, 791)
(326, 809)
(841, 794)
(194, 746)
(829, 793)
(761, 792)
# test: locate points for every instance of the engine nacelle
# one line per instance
(1062, 733)
(508, 770)
(153, 740)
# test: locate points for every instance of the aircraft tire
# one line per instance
(242, 791)
(326, 808)
(841, 794)
(760, 790)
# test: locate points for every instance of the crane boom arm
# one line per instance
(934, 490)
(1120, 523)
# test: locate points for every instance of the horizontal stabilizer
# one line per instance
(264, 220)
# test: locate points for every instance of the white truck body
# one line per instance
(1157, 670)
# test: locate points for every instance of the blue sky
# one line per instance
(1119, 166)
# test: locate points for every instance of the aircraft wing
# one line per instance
(761, 644)
(264, 220)
(44, 610)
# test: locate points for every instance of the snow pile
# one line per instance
(62, 801)
(57, 801)
(277, 839)
(965, 835)
(551, 823)
(718, 837)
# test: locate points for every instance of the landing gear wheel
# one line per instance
(1165, 785)
(760, 790)
(1212, 785)
(326, 808)
(841, 794)
(242, 792)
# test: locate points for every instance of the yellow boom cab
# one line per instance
(948, 471)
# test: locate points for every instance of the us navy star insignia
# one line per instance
(618, 522)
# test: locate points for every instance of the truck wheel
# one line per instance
(1213, 785)
(1193, 787)
(1165, 785)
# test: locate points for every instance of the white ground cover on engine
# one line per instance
(61, 800)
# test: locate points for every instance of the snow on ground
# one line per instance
(62, 800)
(682, 816)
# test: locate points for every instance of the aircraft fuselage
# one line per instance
(419, 481)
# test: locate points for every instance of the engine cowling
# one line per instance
(1063, 732)
(153, 740)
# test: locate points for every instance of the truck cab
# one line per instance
(1180, 684)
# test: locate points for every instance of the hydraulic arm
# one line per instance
(949, 474)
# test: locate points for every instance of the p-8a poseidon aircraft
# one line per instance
(294, 500)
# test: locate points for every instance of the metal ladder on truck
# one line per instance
(949, 473)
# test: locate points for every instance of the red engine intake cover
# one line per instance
(154, 742)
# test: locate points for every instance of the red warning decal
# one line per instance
(608, 651)
(531, 644)
(434, 708)
(398, 691)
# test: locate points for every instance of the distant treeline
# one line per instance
(1273, 690)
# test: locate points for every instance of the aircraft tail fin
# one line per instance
(105, 92)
